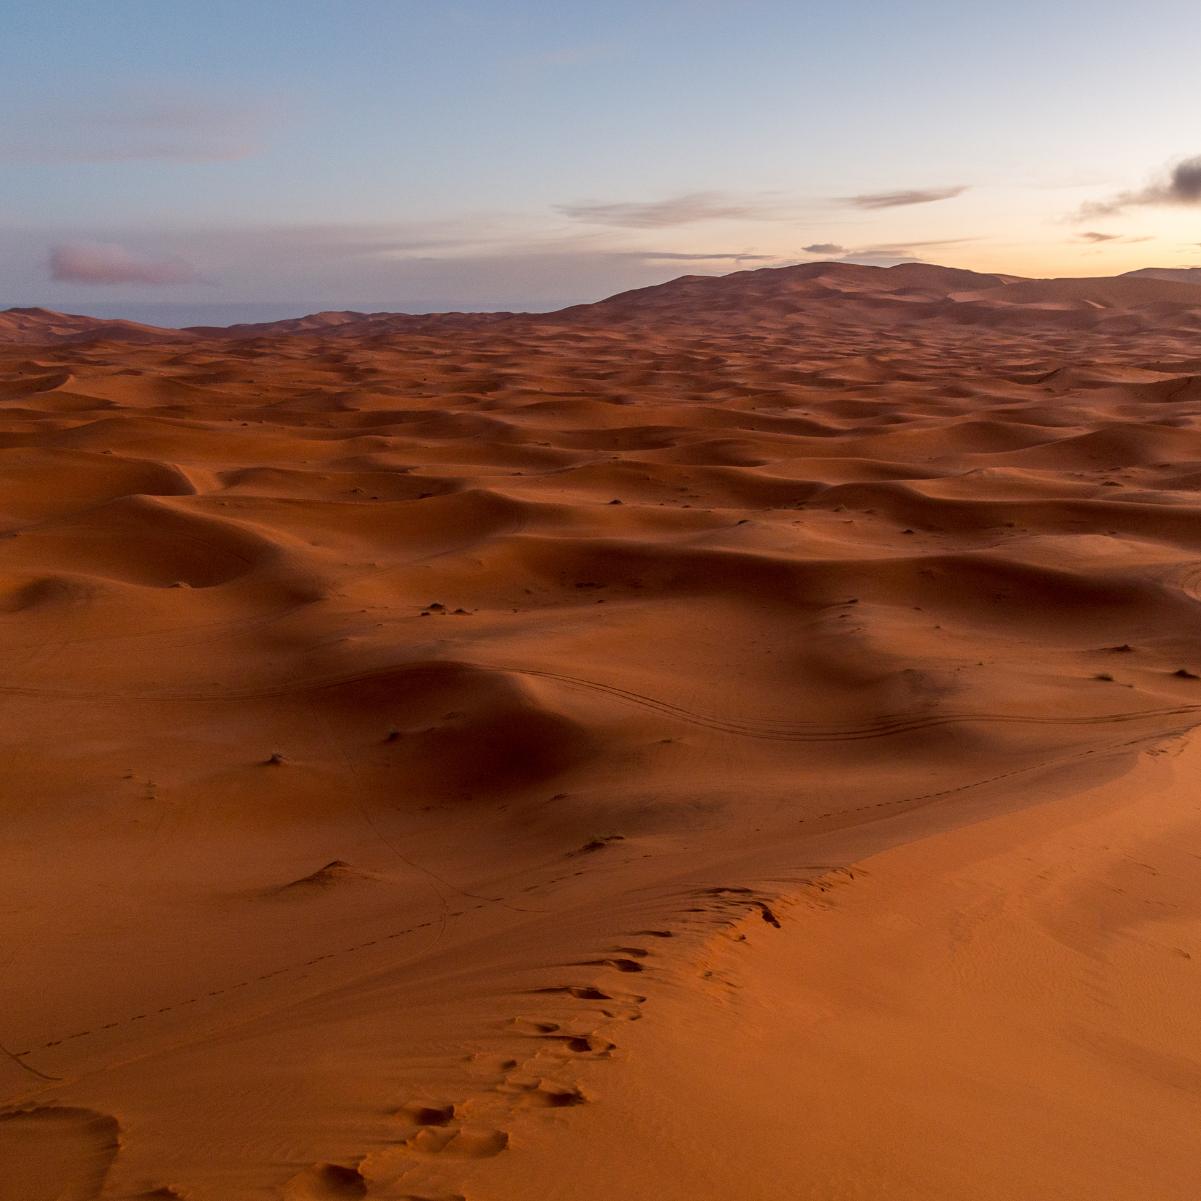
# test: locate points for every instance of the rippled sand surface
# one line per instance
(729, 741)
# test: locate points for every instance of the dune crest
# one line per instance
(746, 725)
(806, 296)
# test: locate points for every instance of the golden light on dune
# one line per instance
(729, 740)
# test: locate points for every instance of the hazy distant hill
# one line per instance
(817, 296)
(314, 323)
(811, 296)
(44, 325)
(1182, 275)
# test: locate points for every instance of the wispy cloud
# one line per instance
(1181, 185)
(1093, 238)
(654, 256)
(892, 200)
(887, 254)
(725, 206)
(679, 210)
(148, 124)
(104, 263)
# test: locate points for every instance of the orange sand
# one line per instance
(389, 813)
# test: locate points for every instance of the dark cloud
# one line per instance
(824, 248)
(892, 200)
(1181, 186)
(98, 263)
(658, 214)
(1093, 236)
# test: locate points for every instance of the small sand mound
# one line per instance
(336, 872)
(326, 1182)
(460, 728)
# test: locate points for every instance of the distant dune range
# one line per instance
(731, 740)
(811, 295)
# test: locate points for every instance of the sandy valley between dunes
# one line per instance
(732, 741)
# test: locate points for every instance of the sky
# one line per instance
(207, 161)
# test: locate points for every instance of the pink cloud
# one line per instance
(97, 263)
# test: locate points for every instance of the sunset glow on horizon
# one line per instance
(531, 155)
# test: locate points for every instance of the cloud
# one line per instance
(892, 200)
(99, 263)
(1184, 186)
(488, 261)
(656, 255)
(889, 254)
(658, 214)
(722, 206)
(1181, 186)
(1093, 238)
(147, 124)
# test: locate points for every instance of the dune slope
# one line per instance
(734, 741)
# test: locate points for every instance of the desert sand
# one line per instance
(730, 741)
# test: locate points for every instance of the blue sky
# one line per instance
(220, 156)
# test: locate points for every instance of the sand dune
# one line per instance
(1155, 300)
(39, 326)
(1188, 275)
(730, 740)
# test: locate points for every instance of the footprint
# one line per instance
(487, 1061)
(55, 1153)
(579, 991)
(581, 1044)
(529, 1026)
(431, 1140)
(541, 1094)
(478, 1142)
(622, 965)
(623, 1013)
(553, 1096)
(426, 1113)
(326, 1182)
(467, 1142)
(584, 1044)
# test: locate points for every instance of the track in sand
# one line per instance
(608, 753)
